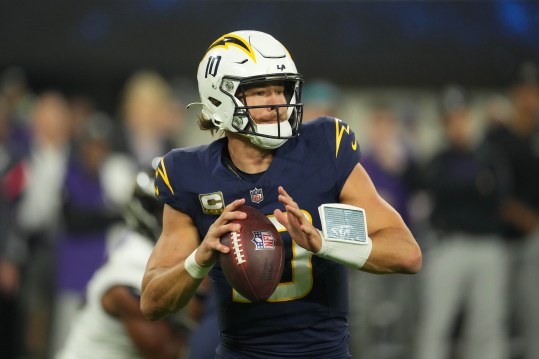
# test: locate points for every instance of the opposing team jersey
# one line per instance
(95, 334)
(306, 315)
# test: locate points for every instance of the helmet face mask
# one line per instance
(242, 60)
(244, 123)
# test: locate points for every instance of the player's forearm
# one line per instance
(394, 250)
(156, 339)
(166, 290)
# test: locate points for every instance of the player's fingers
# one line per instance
(287, 201)
(229, 216)
(278, 214)
(230, 213)
(292, 217)
(219, 247)
(293, 222)
(216, 245)
(285, 194)
(235, 204)
(296, 212)
(281, 218)
(220, 231)
(226, 228)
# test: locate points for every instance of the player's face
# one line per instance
(266, 95)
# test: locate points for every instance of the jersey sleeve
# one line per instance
(164, 183)
(344, 148)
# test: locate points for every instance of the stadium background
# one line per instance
(400, 53)
(92, 46)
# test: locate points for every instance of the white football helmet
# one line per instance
(240, 59)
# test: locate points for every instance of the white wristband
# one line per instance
(349, 254)
(194, 269)
(344, 234)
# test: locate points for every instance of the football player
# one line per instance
(306, 178)
(110, 325)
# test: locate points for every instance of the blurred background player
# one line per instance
(110, 324)
(9, 277)
(518, 141)
(87, 215)
(35, 216)
(150, 122)
(381, 316)
(147, 126)
(466, 269)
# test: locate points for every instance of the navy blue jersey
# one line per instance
(306, 315)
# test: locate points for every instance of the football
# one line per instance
(254, 265)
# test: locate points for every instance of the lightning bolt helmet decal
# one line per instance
(234, 40)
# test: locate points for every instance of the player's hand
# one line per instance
(211, 245)
(299, 227)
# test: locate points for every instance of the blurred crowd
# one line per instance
(67, 172)
(472, 201)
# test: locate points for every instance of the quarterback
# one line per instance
(305, 177)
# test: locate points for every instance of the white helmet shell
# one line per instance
(245, 58)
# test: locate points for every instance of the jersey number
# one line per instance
(302, 273)
(212, 66)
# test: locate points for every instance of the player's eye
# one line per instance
(279, 90)
(256, 92)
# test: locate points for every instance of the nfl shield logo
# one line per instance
(263, 240)
(256, 195)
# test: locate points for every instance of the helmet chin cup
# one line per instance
(277, 134)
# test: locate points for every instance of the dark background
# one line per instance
(92, 46)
